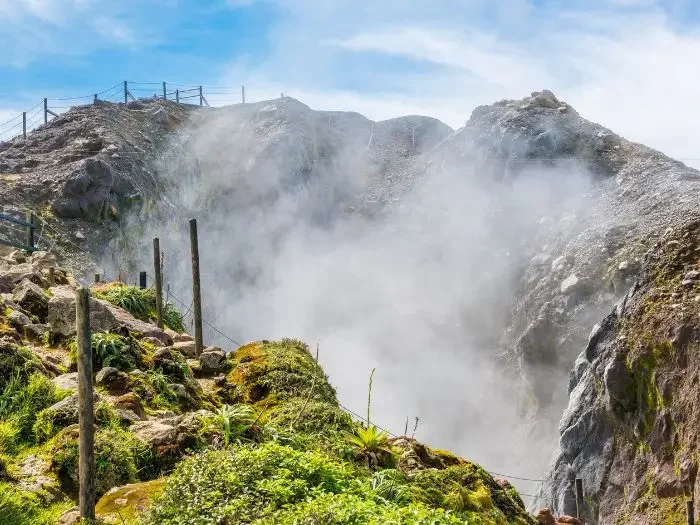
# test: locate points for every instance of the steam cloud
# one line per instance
(422, 291)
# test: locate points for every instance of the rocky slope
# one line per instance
(254, 436)
(630, 430)
(566, 211)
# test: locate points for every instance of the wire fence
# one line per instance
(126, 91)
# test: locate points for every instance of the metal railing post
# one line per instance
(177, 96)
(243, 94)
(46, 110)
(165, 93)
(201, 97)
(24, 124)
(126, 92)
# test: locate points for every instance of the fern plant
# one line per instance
(110, 349)
(234, 421)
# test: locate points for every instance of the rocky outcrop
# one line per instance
(103, 316)
(630, 428)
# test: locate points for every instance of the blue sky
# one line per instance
(629, 64)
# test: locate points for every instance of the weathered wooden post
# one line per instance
(690, 509)
(159, 282)
(243, 94)
(126, 91)
(196, 289)
(142, 280)
(165, 93)
(52, 276)
(579, 499)
(46, 110)
(86, 418)
(29, 216)
(24, 124)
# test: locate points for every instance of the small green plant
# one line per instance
(234, 421)
(369, 439)
(109, 349)
(391, 485)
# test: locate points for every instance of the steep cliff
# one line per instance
(630, 430)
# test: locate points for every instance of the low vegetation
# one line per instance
(266, 443)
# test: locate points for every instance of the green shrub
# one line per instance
(119, 458)
(277, 485)
(245, 484)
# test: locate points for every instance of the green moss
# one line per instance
(648, 399)
(124, 505)
(283, 369)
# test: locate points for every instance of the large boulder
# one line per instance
(186, 348)
(155, 434)
(31, 298)
(103, 316)
(66, 381)
(212, 359)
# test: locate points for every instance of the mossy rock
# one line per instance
(122, 505)
(275, 371)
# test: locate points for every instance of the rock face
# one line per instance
(630, 428)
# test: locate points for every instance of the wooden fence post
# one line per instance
(46, 110)
(579, 499)
(142, 280)
(86, 469)
(196, 289)
(29, 217)
(159, 282)
(24, 124)
(690, 509)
